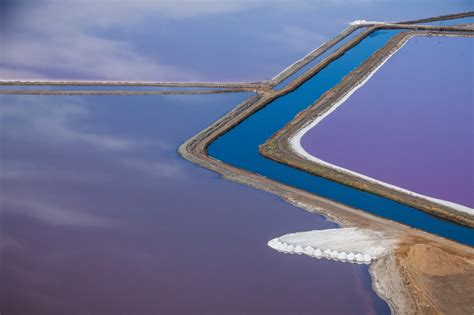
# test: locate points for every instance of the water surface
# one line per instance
(239, 147)
(411, 124)
(99, 215)
(319, 58)
(186, 40)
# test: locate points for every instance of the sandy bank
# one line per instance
(295, 143)
(285, 146)
(389, 272)
(125, 92)
(137, 83)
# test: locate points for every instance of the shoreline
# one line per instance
(295, 143)
(315, 53)
(123, 92)
(388, 278)
(281, 149)
(389, 274)
(135, 83)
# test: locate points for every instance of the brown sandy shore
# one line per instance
(226, 85)
(126, 92)
(423, 273)
(215, 86)
(278, 147)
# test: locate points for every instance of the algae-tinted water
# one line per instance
(99, 215)
(239, 147)
(411, 124)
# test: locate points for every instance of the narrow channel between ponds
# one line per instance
(239, 147)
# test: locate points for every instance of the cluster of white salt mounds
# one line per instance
(283, 247)
(349, 244)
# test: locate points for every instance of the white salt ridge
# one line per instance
(295, 145)
(364, 22)
(348, 245)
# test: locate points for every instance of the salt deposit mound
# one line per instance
(352, 245)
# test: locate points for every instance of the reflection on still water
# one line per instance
(100, 214)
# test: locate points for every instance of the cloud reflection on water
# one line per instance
(183, 40)
(137, 239)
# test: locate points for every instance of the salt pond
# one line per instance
(239, 147)
(101, 216)
(411, 124)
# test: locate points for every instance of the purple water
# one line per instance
(99, 215)
(179, 40)
(411, 124)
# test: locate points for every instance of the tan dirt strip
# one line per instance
(219, 85)
(440, 18)
(124, 92)
(401, 284)
(278, 147)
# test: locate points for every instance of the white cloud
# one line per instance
(82, 53)
(59, 122)
(71, 37)
(65, 37)
(9, 73)
(27, 170)
(296, 38)
(78, 38)
(159, 168)
(53, 214)
(67, 123)
(75, 51)
(110, 12)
